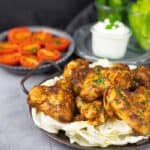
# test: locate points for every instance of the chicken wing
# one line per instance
(141, 76)
(73, 65)
(93, 112)
(99, 79)
(75, 72)
(56, 101)
(133, 108)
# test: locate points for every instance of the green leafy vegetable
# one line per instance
(111, 9)
(139, 20)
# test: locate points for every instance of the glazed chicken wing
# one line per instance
(56, 101)
(133, 108)
(93, 112)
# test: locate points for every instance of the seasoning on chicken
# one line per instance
(73, 65)
(99, 79)
(97, 94)
(141, 76)
(75, 72)
(133, 107)
(56, 101)
(93, 112)
(94, 85)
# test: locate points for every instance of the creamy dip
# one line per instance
(110, 42)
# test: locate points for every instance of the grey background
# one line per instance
(17, 130)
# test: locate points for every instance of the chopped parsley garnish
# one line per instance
(112, 22)
(97, 69)
(57, 42)
(33, 50)
(100, 80)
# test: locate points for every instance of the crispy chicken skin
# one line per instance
(75, 72)
(142, 76)
(73, 65)
(77, 78)
(93, 85)
(133, 108)
(56, 101)
(99, 79)
(120, 66)
(93, 112)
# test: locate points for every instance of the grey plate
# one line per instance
(134, 55)
(61, 138)
(45, 67)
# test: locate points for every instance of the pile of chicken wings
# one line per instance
(97, 94)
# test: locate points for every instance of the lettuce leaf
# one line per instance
(139, 20)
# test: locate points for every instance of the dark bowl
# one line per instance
(44, 67)
(61, 138)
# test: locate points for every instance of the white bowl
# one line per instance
(109, 45)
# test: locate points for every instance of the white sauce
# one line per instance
(115, 32)
(110, 43)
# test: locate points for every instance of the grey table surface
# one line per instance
(17, 130)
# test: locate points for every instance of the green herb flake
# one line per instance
(109, 26)
(33, 50)
(97, 70)
(57, 42)
(100, 80)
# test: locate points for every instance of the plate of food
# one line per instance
(85, 49)
(94, 106)
(24, 48)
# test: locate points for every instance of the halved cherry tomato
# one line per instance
(19, 35)
(45, 54)
(41, 37)
(10, 59)
(29, 47)
(29, 61)
(58, 43)
(6, 48)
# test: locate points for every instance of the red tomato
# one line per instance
(58, 43)
(29, 47)
(41, 37)
(19, 34)
(6, 48)
(29, 61)
(44, 54)
(10, 59)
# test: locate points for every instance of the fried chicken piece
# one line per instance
(56, 101)
(133, 108)
(93, 112)
(120, 66)
(99, 79)
(73, 65)
(75, 72)
(77, 78)
(141, 76)
(119, 77)
(79, 117)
